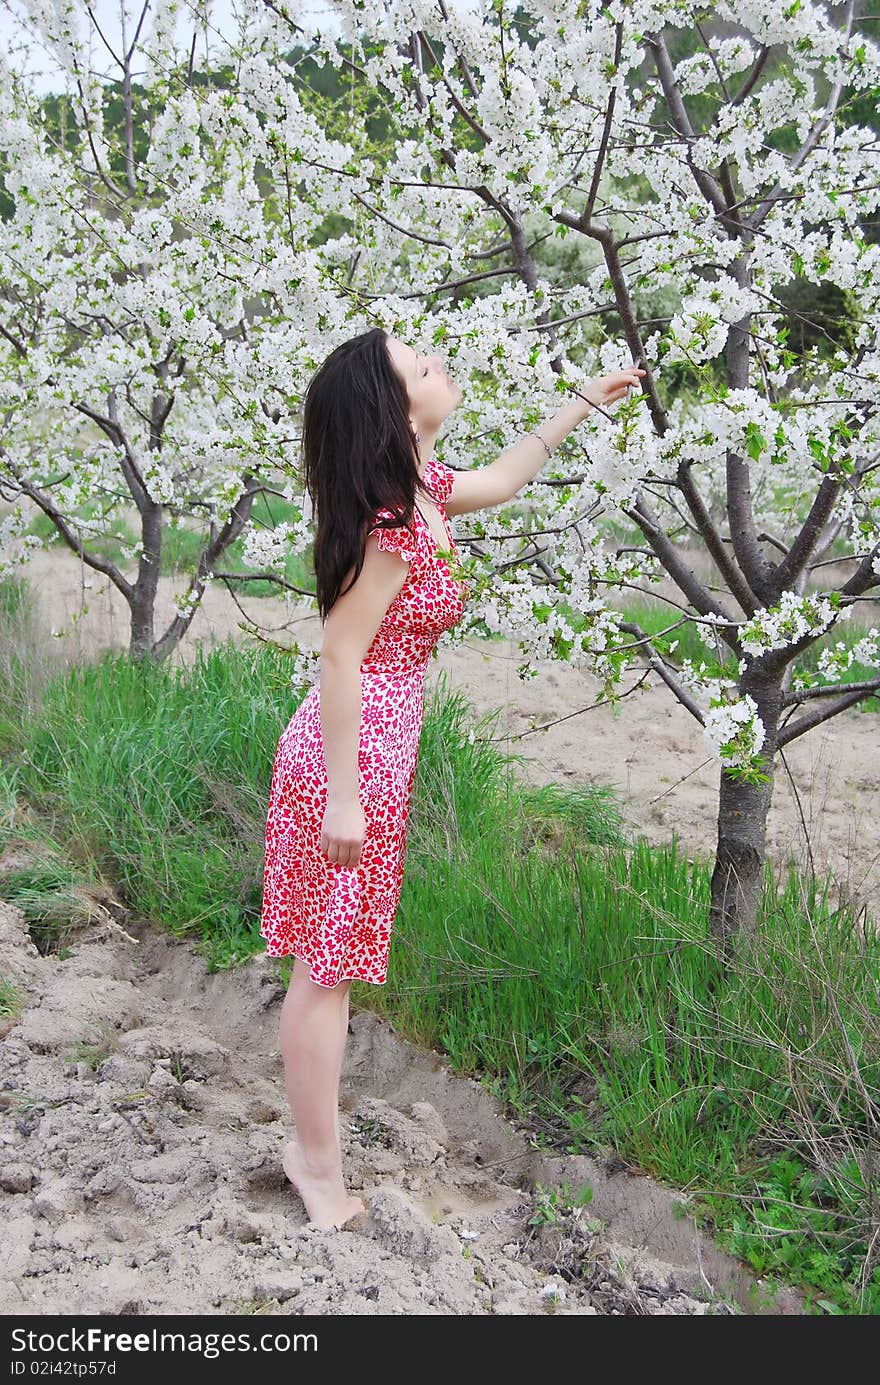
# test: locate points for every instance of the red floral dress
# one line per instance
(338, 919)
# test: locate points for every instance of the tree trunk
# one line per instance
(143, 599)
(738, 876)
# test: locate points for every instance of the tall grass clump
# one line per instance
(162, 775)
(25, 662)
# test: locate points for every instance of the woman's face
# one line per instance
(432, 392)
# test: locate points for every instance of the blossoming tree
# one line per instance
(560, 188)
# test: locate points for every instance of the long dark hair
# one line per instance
(359, 455)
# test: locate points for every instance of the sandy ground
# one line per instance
(143, 1176)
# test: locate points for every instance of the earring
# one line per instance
(416, 436)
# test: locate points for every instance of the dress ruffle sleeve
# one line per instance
(442, 479)
(396, 539)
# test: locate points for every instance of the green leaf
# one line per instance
(756, 443)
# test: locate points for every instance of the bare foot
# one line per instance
(328, 1204)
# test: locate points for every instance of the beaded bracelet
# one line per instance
(538, 435)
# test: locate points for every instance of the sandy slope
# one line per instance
(148, 1179)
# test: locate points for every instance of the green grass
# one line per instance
(10, 999)
(53, 897)
(539, 948)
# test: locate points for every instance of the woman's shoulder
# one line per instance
(392, 536)
(406, 539)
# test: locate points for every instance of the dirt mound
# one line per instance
(142, 1119)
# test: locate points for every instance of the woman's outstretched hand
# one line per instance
(607, 389)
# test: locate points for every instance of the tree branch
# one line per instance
(755, 566)
(587, 213)
(704, 180)
(238, 518)
(660, 668)
(864, 576)
(793, 699)
(92, 560)
(792, 565)
(811, 719)
(764, 208)
(724, 561)
(674, 564)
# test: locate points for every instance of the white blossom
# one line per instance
(256, 240)
(785, 624)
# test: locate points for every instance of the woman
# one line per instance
(346, 763)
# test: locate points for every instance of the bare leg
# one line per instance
(312, 1033)
(345, 1018)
